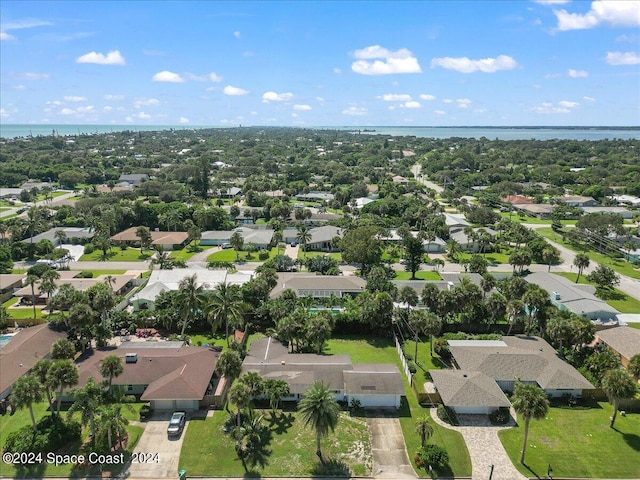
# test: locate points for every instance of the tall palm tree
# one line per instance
(110, 280)
(62, 374)
(581, 261)
(319, 411)
(224, 306)
(530, 401)
(618, 384)
(237, 241)
(40, 371)
(87, 401)
(191, 298)
(112, 419)
(514, 310)
(48, 284)
(26, 391)
(424, 429)
(60, 236)
(31, 280)
(240, 396)
(229, 364)
(303, 236)
(110, 368)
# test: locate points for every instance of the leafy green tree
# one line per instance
(362, 245)
(413, 253)
(320, 411)
(530, 401)
(32, 280)
(63, 349)
(604, 277)
(111, 367)
(112, 420)
(536, 299)
(62, 374)
(581, 261)
(224, 306)
(424, 429)
(550, 255)
(48, 284)
(618, 385)
(26, 391)
(318, 330)
(255, 382)
(87, 401)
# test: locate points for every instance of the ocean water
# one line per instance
(501, 133)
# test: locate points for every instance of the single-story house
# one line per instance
(374, 385)
(23, 351)
(120, 284)
(229, 192)
(166, 240)
(400, 180)
(9, 283)
(578, 201)
(630, 200)
(513, 358)
(468, 243)
(321, 237)
(469, 392)
(315, 196)
(169, 280)
(455, 222)
(261, 238)
(318, 286)
(516, 200)
(622, 211)
(577, 298)
(133, 179)
(539, 210)
(625, 341)
(70, 233)
(8, 192)
(167, 374)
(436, 245)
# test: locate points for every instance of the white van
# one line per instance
(48, 262)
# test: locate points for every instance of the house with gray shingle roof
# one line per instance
(525, 358)
(469, 392)
(318, 286)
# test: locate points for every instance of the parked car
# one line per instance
(225, 245)
(176, 424)
(50, 263)
(294, 244)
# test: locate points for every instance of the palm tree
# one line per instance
(237, 241)
(191, 298)
(320, 411)
(634, 366)
(110, 280)
(240, 396)
(303, 236)
(618, 384)
(424, 429)
(4, 228)
(275, 390)
(48, 284)
(277, 238)
(229, 364)
(62, 374)
(515, 310)
(87, 401)
(60, 236)
(432, 326)
(454, 249)
(112, 419)
(144, 234)
(40, 371)
(530, 401)
(26, 391)
(254, 381)
(31, 280)
(223, 306)
(110, 368)
(581, 261)
(104, 244)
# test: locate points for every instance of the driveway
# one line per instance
(155, 440)
(390, 459)
(485, 448)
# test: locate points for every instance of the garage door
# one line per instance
(163, 404)
(187, 405)
(473, 410)
(378, 400)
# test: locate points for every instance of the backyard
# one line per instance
(578, 443)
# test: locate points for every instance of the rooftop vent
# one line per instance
(131, 358)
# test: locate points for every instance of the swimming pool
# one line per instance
(4, 339)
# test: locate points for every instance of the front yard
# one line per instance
(116, 254)
(229, 255)
(578, 444)
(622, 302)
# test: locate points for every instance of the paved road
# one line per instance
(485, 448)
(420, 178)
(390, 459)
(42, 203)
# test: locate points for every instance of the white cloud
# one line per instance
(337, 71)
(33, 76)
(107, 108)
(447, 100)
(140, 115)
(427, 97)
(67, 111)
(19, 87)
(395, 97)
(320, 100)
(551, 2)
(167, 76)
(234, 91)
(112, 58)
(613, 13)
(622, 58)
(439, 112)
(577, 73)
(115, 98)
(400, 61)
(302, 107)
(294, 115)
(236, 34)
(74, 98)
(355, 111)
(467, 65)
(411, 104)
(463, 102)
(6, 36)
(627, 38)
(563, 107)
(183, 120)
(25, 23)
(214, 77)
(553, 75)
(145, 102)
(589, 99)
(276, 97)
(3, 113)
(87, 109)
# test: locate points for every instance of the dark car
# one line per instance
(294, 244)
(176, 424)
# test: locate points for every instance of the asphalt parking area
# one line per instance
(390, 459)
(153, 441)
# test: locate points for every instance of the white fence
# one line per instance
(405, 366)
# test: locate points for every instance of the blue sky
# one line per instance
(433, 63)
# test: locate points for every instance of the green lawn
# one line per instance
(424, 363)
(492, 258)
(187, 252)
(208, 448)
(229, 255)
(420, 275)
(578, 444)
(97, 273)
(533, 220)
(118, 255)
(618, 264)
(310, 254)
(10, 423)
(623, 302)
(22, 312)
